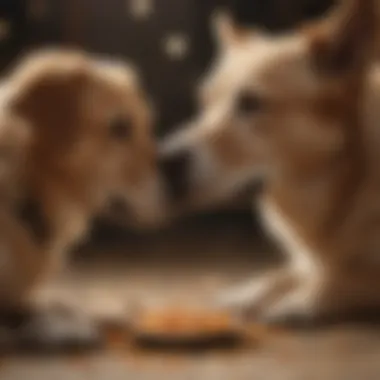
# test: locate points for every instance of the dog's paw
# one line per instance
(252, 298)
(243, 301)
(297, 309)
(58, 330)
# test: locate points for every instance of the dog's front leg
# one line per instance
(24, 320)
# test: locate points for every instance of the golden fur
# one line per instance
(310, 131)
(75, 134)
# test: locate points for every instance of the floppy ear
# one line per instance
(225, 30)
(14, 144)
(14, 132)
(47, 91)
(345, 42)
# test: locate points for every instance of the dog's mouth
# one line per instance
(123, 213)
(117, 210)
(256, 186)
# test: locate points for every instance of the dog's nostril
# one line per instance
(175, 169)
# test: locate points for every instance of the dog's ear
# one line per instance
(47, 92)
(15, 138)
(225, 30)
(344, 43)
(15, 135)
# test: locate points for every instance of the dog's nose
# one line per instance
(175, 169)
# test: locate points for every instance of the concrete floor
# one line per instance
(190, 265)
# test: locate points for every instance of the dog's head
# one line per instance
(274, 104)
(91, 135)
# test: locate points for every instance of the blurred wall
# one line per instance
(169, 40)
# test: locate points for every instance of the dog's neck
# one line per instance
(318, 204)
(59, 200)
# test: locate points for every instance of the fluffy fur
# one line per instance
(75, 135)
(300, 112)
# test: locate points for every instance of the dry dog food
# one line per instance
(178, 326)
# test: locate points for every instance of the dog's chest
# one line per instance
(61, 228)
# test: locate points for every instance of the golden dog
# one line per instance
(75, 135)
(301, 112)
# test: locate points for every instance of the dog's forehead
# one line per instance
(117, 86)
(118, 74)
(229, 69)
(281, 66)
(277, 66)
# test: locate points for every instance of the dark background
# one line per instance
(109, 27)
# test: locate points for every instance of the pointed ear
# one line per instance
(345, 42)
(225, 30)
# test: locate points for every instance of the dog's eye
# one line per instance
(248, 103)
(121, 128)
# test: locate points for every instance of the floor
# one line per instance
(190, 265)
